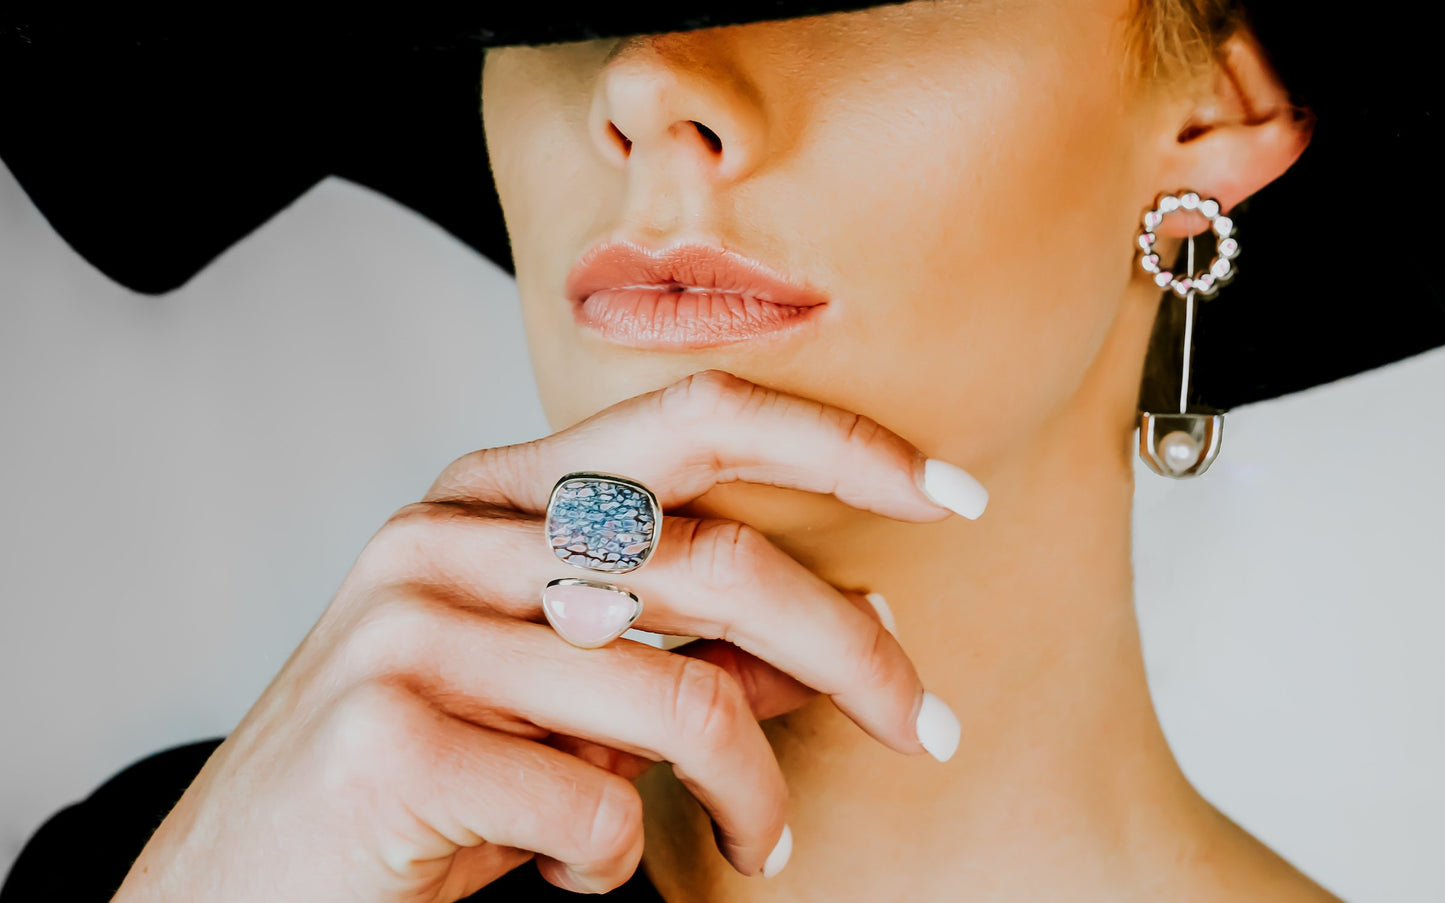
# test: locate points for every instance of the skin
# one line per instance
(965, 180)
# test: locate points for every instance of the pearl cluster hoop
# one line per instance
(1221, 268)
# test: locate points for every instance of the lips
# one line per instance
(684, 297)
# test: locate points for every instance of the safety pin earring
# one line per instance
(1184, 444)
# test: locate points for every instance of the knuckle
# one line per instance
(421, 516)
(387, 636)
(704, 394)
(370, 733)
(469, 476)
(858, 429)
(458, 473)
(873, 671)
(708, 705)
(615, 820)
(400, 542)
(727, 553)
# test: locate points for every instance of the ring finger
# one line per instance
(709, 578)
(629, 696)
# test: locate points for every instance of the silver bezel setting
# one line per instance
(595, 584)
(655, 510)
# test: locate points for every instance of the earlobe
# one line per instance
(1240, 135)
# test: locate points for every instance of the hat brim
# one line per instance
(152, 152)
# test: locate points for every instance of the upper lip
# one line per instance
(627, 264)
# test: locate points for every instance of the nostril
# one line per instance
(626, 142)
(708, 135)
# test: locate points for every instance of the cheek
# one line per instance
(556, 195)
(549, 181)
(548, 227)
(982, 239)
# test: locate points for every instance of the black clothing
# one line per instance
(118, 819)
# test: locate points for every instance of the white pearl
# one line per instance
(1179, 450)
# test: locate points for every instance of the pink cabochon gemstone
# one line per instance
(587, 615)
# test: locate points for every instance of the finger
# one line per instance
(769, 692)
(713, 427)
(709, 578)
(454, 787)
(626, 695)
(626, 764)
(724, 580)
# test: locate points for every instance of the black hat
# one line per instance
(152, 145)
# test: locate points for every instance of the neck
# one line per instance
(1063, 786)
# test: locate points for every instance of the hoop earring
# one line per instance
(1184, 444)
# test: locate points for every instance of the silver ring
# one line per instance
(589, 613)
(603, 522)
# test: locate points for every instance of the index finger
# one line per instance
(713, 427)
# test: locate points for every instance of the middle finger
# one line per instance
(709, 578)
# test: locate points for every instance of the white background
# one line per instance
(184, 481)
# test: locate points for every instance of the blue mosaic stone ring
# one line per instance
(603, 522)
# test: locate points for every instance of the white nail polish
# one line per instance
(938, 728)
(885, 614)
(780, 854)
(954, 488)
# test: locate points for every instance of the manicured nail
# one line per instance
(954, 488)
(779, 856)
(938, 728)
(885, 614)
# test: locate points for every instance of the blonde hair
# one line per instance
(1177, 40)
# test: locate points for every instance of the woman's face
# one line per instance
(963, 179)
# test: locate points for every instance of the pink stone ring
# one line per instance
(604, 523)
(589, 613)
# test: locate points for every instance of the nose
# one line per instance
(677, 98)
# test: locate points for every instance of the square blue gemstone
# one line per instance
(601, 524)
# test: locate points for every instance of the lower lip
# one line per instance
(658, 318)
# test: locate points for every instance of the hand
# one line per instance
(432, 732)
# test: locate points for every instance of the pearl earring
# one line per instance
(1185, 444)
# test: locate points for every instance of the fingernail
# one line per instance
(954, 488)
(938, 728)
(779, 856)
(885, 614)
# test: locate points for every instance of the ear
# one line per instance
(1234, 136)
